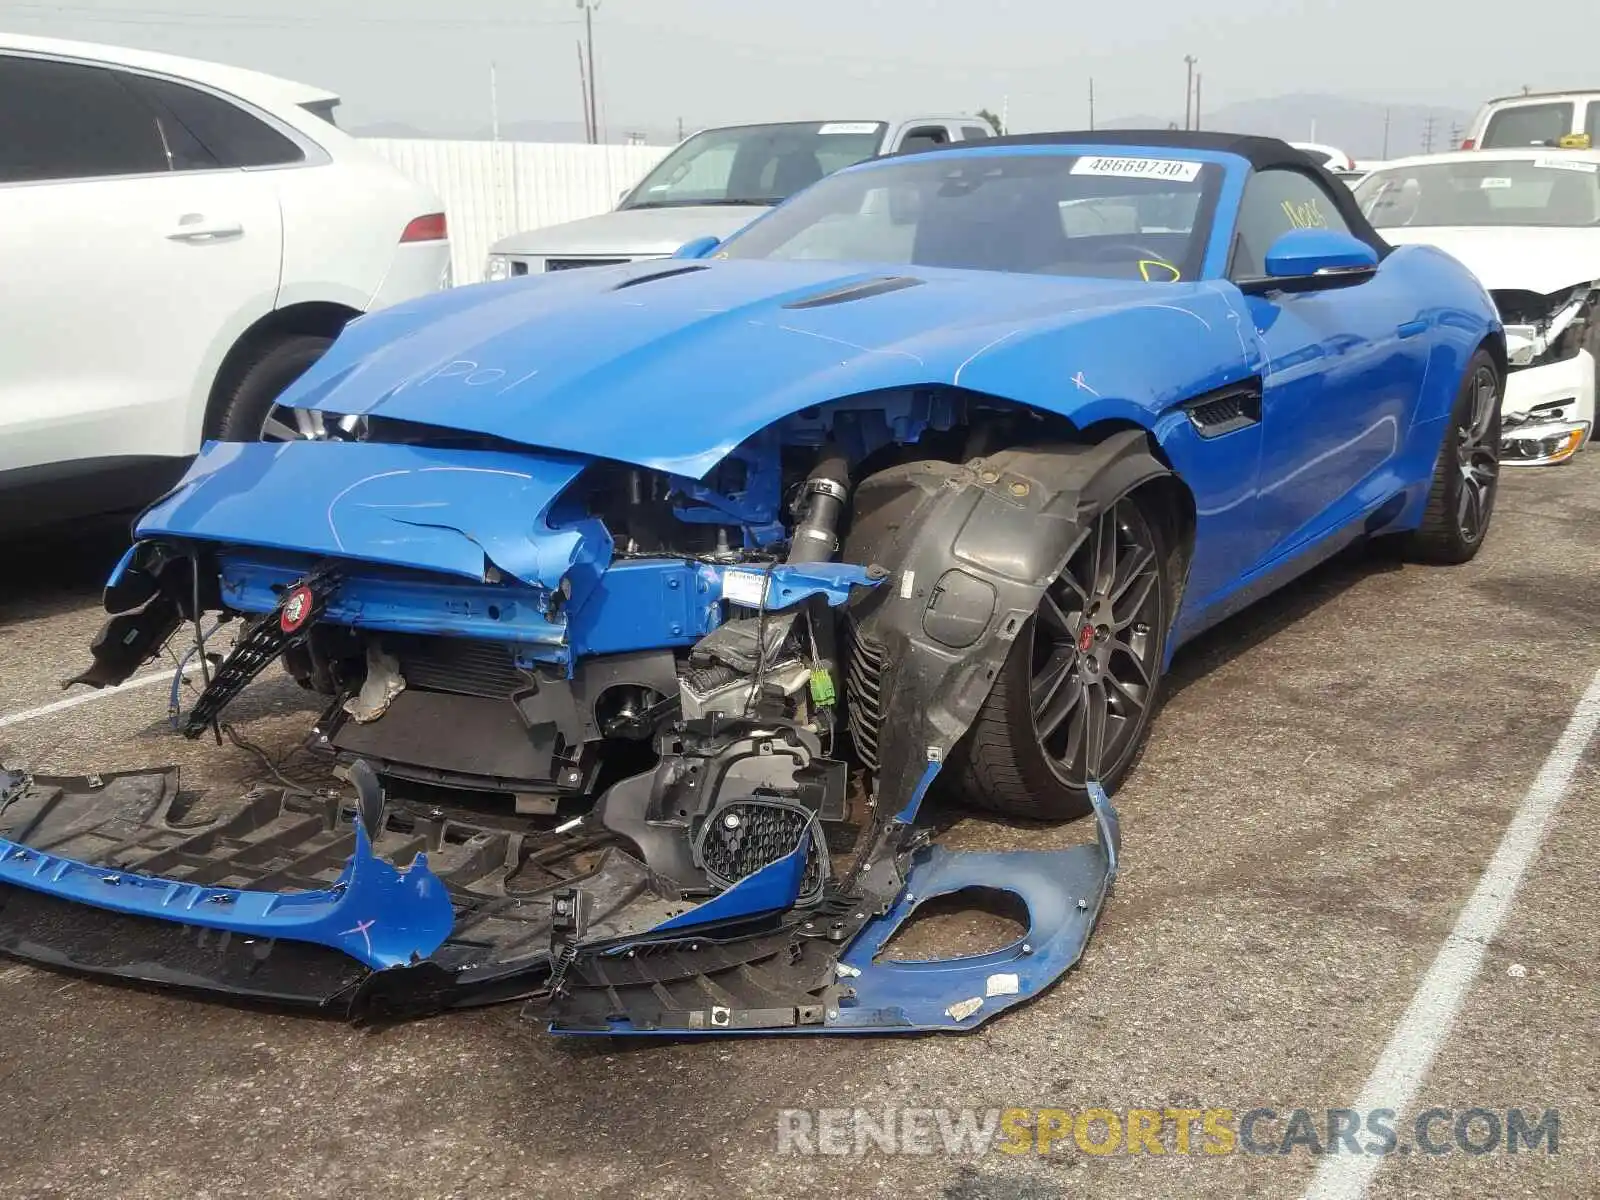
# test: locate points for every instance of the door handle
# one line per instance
(1412, 328)
(193, 227)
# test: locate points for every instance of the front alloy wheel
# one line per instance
(1094, 657)
(1075, 697)
(1467, 474)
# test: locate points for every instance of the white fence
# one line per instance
(491, 189)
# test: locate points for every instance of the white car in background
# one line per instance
(1569, 120)
(1527, 224)
(714, 184)
(180, 241)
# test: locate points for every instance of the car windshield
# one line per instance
(1555, 190)
(755, 164)
(1125, 217)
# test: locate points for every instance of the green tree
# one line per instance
(992, 119)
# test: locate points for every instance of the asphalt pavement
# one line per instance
(1328, 782)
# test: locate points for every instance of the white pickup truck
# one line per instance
(715, 183)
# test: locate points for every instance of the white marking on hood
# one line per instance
(334, 529)
(981, 350)
(853, 345)
(1179, 309)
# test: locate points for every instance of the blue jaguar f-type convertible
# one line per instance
(650, 602)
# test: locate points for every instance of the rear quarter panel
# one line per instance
(342, 223)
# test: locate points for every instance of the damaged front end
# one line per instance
(647, 753)
(1552, 340)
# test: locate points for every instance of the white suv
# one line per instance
(180, 240)
(1570, 120)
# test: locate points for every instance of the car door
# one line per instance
(1342, 367)
(133, 258)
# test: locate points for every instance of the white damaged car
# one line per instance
(1527, 224)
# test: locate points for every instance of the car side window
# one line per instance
(62, 121)
(1527, 125)
(925, 137)
(974, 133)
(1276, 200)
(230, 136)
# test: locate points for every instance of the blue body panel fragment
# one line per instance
(1063, 891)
(379, 915)
(773, 888)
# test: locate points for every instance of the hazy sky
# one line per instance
(718, 60)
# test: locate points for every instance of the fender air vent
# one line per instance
(858, 291)
(1225, 411)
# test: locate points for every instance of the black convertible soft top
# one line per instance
(1260, 152)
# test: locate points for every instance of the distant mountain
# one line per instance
(1354, 126)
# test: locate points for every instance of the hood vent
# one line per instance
(858, 291)
(667, 274)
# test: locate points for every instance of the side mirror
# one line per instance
(1308, 259)
(701, 247)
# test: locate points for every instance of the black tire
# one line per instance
(1005, 763)
(242, 411)
(1467, 474)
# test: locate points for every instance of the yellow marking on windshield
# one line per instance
(1144, 271)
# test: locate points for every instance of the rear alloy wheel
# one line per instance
(1076, 694)
(1467, 475)
(249, 411)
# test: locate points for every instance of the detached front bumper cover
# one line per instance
(290, 899)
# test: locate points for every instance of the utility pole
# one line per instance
(1427, 135)
(589, 8)
(1197, 78)
(1386, 114)
(680, 129)
(583, 96)
(1091, 102)
(1189, 61)
(494, 104)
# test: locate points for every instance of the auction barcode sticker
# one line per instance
(1182, 170)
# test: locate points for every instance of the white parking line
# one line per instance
(44, 710)
(1404, 1064)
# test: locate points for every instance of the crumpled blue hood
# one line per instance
(671, 364)
(453, 511)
